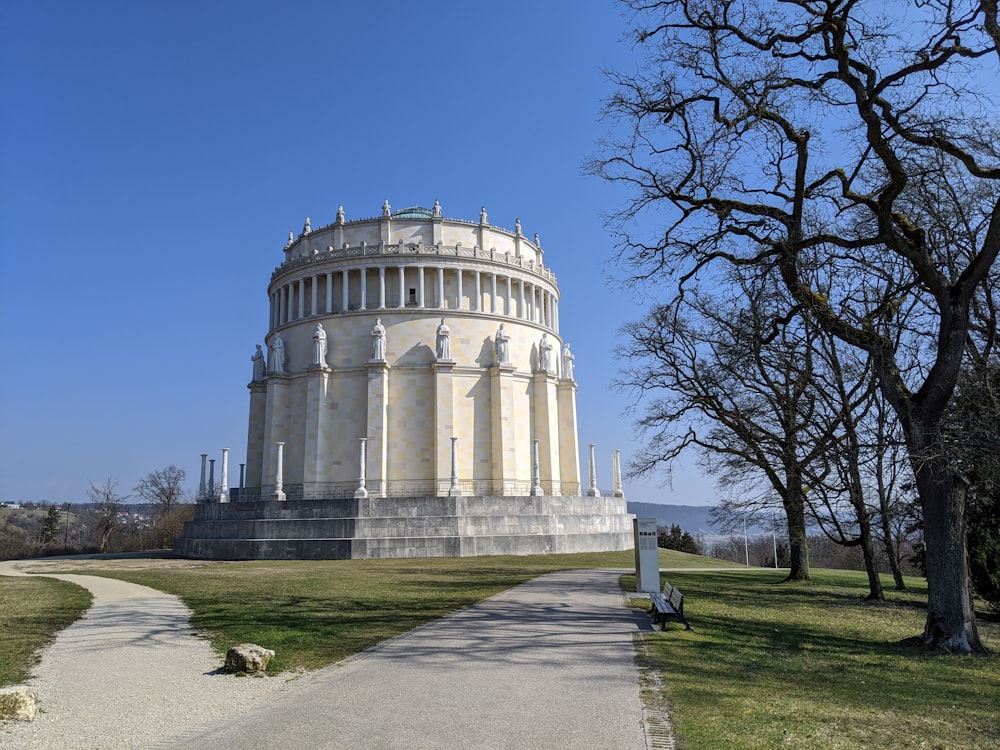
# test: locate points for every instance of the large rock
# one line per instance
(248, 658)
(18, 702)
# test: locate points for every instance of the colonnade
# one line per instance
(410, 286)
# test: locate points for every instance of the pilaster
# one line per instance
(444, 424)
(504, 457)
(546, 420)
(569, 447)
(255, 434)
(314, 467)
(378, 438)
(275, 426)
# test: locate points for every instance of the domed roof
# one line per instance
(414, 212)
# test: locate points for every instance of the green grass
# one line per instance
(772, 665)
(33, 611)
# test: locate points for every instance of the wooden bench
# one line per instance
(668, 606)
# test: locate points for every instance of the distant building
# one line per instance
(415, 386)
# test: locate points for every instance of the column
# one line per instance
(555, 314)
(364, 288)
(593, 491)
(440, 299)
(420, 286)
(313, 308)
(256, 439)
(345, 292)
(536, 487)
(316, 423)
(302, 299)
(285, 305)
(329, 292)
(458, 297)
(202, 489)
(242, 480)
(502, 418)
(479, 293)
(362, 491)
(279, 493)
(520, 299)
(453, 491)
(616, 473)
(381, 287)
(493, 292)
(224, 485)
(211, 479)
(507, 301)
(402, 286)
(272, 318)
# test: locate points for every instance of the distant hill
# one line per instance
(694, 519)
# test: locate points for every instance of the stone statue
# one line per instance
(538, 240)
(544, 354)
(483, 219)
(276, 352)
(291, 239)
(258, 365)
(443, 341)
(306, 228)
(319, 345)
(501, 344)
(567, 362)
(340, 214)
(386, 208)
(436, 211)
(378, 341)
(517, 226)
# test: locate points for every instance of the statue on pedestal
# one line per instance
(443, 341)
(501, 345)
(567, 362)
(276, 352)
(258, 365)
(544, 354)
(319, 345)
(378, 341)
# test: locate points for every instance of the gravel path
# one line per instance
(128, 674)
(546, 664)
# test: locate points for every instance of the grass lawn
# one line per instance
(33, 611)
(768, 665)
(773, 665)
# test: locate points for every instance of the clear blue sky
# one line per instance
(155, 156)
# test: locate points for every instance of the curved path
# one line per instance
(549, 663)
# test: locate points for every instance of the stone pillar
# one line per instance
(616, 474)
(402, 286)
(329, 292)
(381, 287)
(362, 492)
(593, 491)
(453, 491)
(546, 420)
(508, 300)
(378, 437)
(444, 424)
(279, 493)
(458, 297)
(440, 287)
(520, 299)
(364, 287)
(420, 287)
(211, 479)
(493, 293)
(284, 305)
(224, 484)
(479, 292)
(313, 302)
(202, 487)
(275, 419)
(345, 292)
(569, 447)
(536, 487)
(302, 299)
(242, 480)
(504, 448)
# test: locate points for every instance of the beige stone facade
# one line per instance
(409, 270)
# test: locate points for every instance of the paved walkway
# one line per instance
(549, 664)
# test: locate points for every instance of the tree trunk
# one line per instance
(868, 550)
(951, 618)
(798, 542)
(891, 548)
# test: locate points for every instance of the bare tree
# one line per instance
(163, 488)
(106, 502)
(780, 134)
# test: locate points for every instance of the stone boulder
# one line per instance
(248, 658)
(18, 703)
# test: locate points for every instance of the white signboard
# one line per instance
(647, 556)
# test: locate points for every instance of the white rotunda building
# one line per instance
(413, 398)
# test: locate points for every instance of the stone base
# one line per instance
(369, 528)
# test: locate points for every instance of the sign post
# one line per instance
(647, 556)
